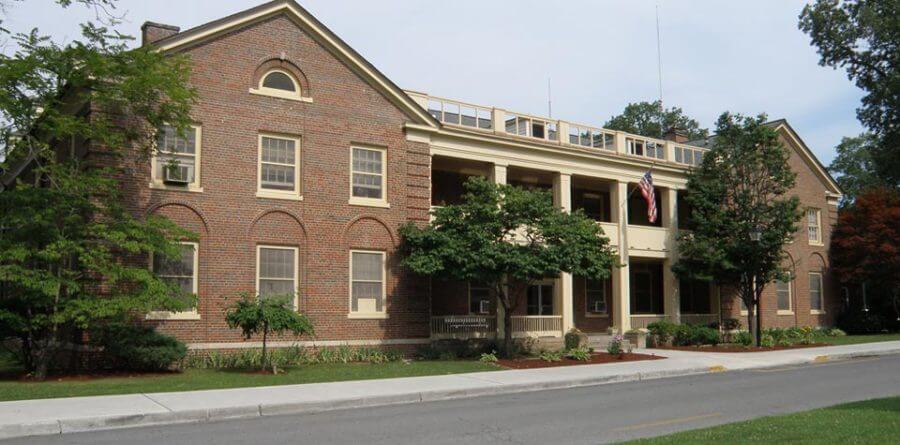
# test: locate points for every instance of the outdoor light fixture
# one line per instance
(756, 234)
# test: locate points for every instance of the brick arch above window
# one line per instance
(817, 262)
(280, 68)
(183, 214)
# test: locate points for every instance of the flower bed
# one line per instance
(595, 359)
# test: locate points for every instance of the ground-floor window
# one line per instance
(595, 296)
(540, 299)
(367, 285)
(815, 292)
(277, 272)
(180, 273)
(479, 298)
(646, 283)
(783, 291)
(694, 297)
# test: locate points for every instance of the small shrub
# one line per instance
(767, 341)
(783, 342)
(662, 330)
(835, 332)
(551, 356)
(731, 324)
(573, 339)
(615, 346)
(139, 348)
(807, 335)
(488, 357)
(706, 336)
(581, 354)
(743, 338)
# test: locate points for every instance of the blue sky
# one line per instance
(746, 57)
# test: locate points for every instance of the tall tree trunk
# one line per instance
(758, 321)
(751, 327)
(507, 333)
(265, 363)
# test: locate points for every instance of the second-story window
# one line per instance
(176, 162)
(813, 226)
(279, 166)
(368, 176)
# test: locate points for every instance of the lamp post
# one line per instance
(756, 237)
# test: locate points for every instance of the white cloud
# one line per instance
(747, 57)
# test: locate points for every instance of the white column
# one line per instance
(621, 286)
(562, 197)
(498, 175)
(671, 302)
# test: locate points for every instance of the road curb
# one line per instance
(263, 410)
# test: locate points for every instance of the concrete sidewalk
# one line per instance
(56, 416)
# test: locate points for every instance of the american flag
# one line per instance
(646, 186)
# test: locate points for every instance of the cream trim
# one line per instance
(273, 92)
(818, 242)
(790, 309)
(821, 294)
(296, 251)
(368, 315)
(158, 184)
(371, 202)
(261, 192)
(811, 159)
(318, 31)
(183, 315)
(309, 343)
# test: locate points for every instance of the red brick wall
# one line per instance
(805, 258)
(232, 221)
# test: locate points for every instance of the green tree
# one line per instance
(863, 37)
(649, 119)
(71, 255)
(854, 166)
(502, 235)
(737, 194)
(275, 314)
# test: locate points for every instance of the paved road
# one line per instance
(598, 414)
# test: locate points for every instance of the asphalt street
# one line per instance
(589, 415)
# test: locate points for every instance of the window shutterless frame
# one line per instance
(297, 94)
(193, 313)
(156, 179)
(814, 226)
(821, 283)
(368, 201)
(790, 297)
(295, 268)
(368, 314)
(261, 192)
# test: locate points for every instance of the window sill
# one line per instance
(368, 202)
(816, 312)
(280, 95)
(781, 312)
(191, 188)
(596, 315)
(817, 244)
(647, 315)
(367, 316)
(290, 196)
(173, 316)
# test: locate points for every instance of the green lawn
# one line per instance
(196, 379)
(873, 421)
(854, 339)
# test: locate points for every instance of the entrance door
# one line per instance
(540, 299)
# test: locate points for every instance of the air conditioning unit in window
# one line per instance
(598, 306)
(178, 174)
(484, 306)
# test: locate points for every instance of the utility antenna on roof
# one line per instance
(549, 100)
(662, 119)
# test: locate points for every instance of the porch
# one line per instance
(486, 326)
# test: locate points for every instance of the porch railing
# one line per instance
(641, 321)
(537, 325)
(463, 326)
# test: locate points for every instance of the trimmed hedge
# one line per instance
(139, 348)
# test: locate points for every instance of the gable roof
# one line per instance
(804, 151)
(319, 32)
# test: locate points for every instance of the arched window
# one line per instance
(279, 80)
(281, 83)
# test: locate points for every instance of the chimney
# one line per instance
(152, 32)
(676, 135)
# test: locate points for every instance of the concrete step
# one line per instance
(600, 341)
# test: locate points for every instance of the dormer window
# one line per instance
(281, 84)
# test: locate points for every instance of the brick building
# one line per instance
(304, 160)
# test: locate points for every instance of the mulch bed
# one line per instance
(97, 375)
(596, 358)
(739, 348)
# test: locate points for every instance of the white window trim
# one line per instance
(587, 312)
(790, 309)
(368, 315)
(192, 314)
(820, 241)
(296, 251)
(470, 299)
(821, 295)
(293, 195)
(297, 95)
(371, 202)
(157, 183)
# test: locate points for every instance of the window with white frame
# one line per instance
(280, 83)
(367, 284)
(813, 226)
(176, 162)
(595, 294)
(279, 165)
(689, 156)
(816, 303)
(368, 175)
(479, 298)
(649, 149)
(783, 294)
(181, 274)
(461, 114)
(276, 269)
